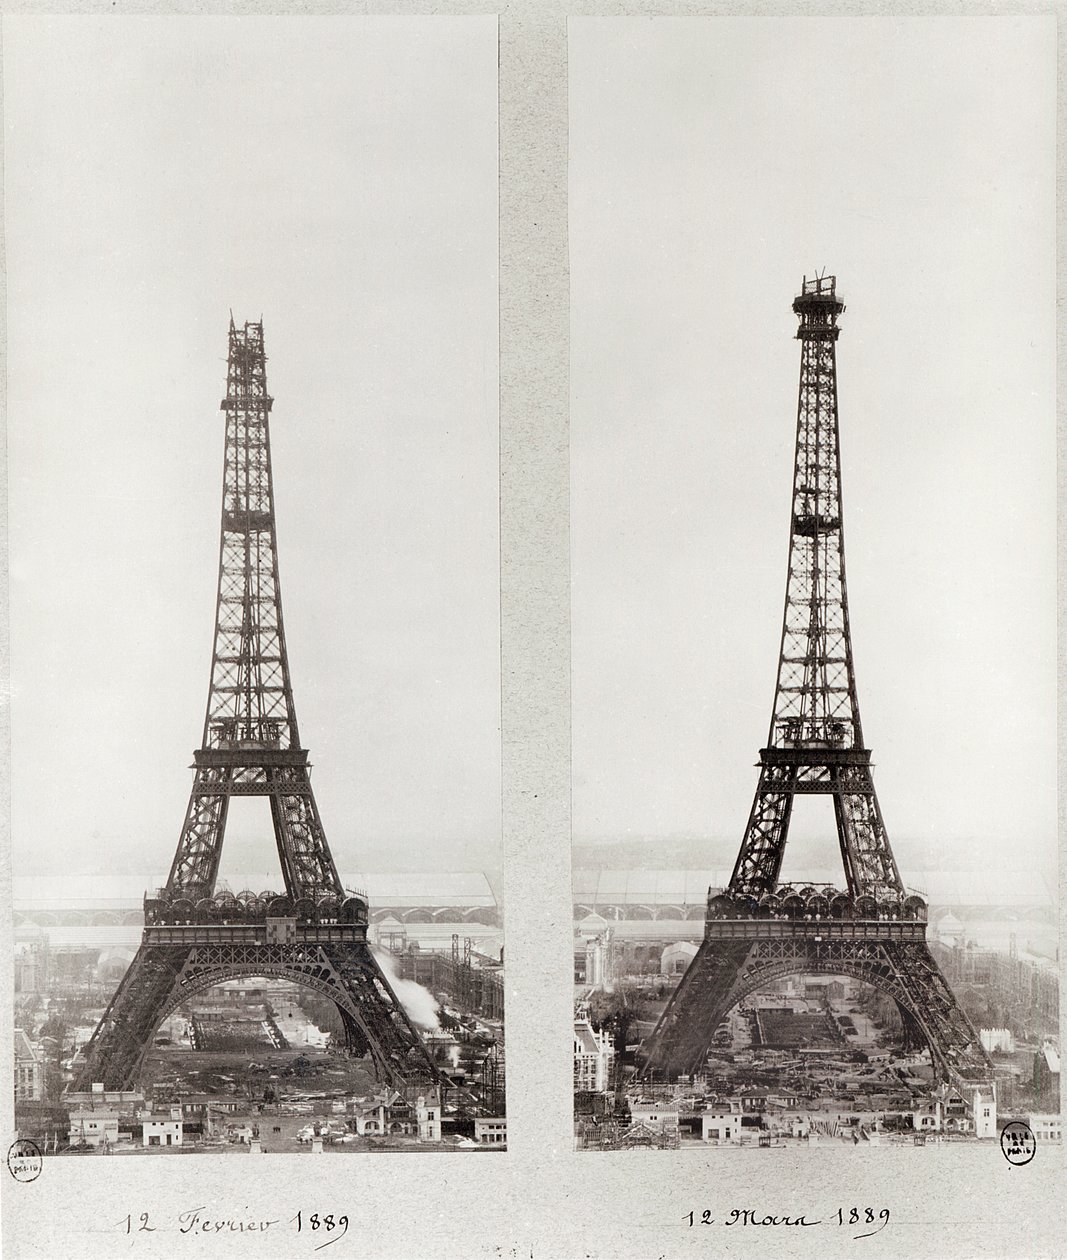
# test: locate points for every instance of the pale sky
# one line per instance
(714, 162)
(338, 177)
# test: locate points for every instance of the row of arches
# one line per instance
(815, 903)
(441, 914)
(250, 907)
(648, 913)
(786, 902)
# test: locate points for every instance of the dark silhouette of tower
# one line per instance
(315, 933)
(873, 929)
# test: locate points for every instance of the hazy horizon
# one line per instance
(338, 178)
(715, 163)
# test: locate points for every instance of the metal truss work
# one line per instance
(251, 743)
(315, 932)
(162, 977)
(873, 929)
(725, 972)
(815, 743)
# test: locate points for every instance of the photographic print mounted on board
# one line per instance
(756, 963)
(297, 217)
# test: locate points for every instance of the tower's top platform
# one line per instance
(818, 306)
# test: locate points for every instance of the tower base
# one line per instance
(737, 959)
(174, 963)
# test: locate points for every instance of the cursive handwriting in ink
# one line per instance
(327, 1222)
(194, 1221)
(863, 1216)
(842, 1216)
(747, 1216)
(142, 1227)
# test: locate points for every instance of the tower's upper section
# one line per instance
(250, 703)
(246, 376)
(815, 704)
(818, 307)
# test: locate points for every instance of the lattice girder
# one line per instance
(116, 1050)
(196, 862)
(250, 709)
(815, 718)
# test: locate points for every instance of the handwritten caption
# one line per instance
(323, 1227)
(842, 1218)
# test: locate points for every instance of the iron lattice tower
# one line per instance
(315, 932)
(873, 929)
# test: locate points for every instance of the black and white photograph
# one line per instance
(443, 715)
(812, 295)
(299, 219)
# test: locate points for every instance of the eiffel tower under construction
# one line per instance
(315, 932)
(873, 929)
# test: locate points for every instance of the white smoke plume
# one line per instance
(419, 1003)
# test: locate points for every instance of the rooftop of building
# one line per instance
(583, 1033)
(24, 1047)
